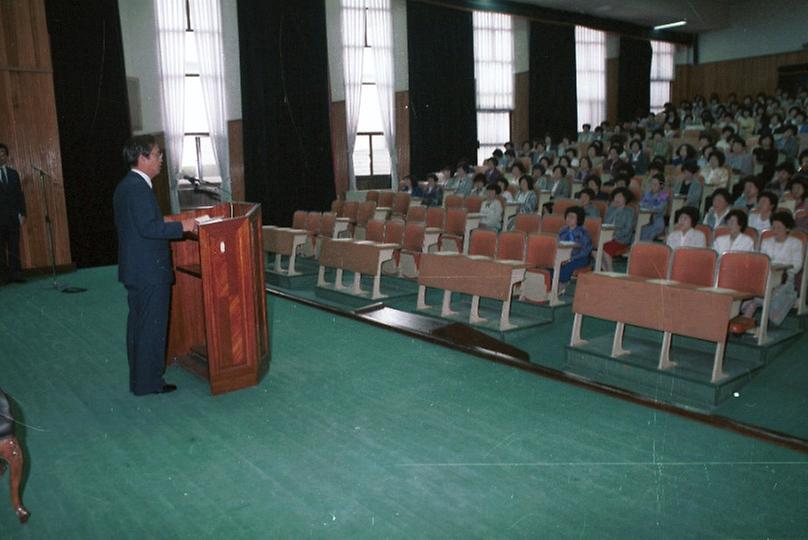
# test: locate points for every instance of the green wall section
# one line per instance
(357, 433)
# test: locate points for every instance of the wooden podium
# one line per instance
(218, 321)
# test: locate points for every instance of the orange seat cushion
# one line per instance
(741, 324)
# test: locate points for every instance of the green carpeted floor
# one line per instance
(357, 433)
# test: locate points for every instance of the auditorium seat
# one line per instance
(313, 226)
(511, 246)
(412, 247)
(453, 201)
(299, 219)
(649, 260)
(435, 217)
(551, 223)
(746, 272)
(393, 234)
(336, 206)
(416, 214)
(541, 258)
(372, 196)
(327, 229)
(483, 244)
(707, 231)
(350, 210)
(386, 199)
(602, 207)
(473, 203)
(692, 265)
(453, 231)
(401, 203)
(560, 205)
(527, 223)
(375, 231)
(363, 214)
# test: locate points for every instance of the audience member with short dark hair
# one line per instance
(685, 233)
(760, 217)
(491, 209)
(621, 216)
(688, 185)
(574, 231)
(736, 240)
(719, 211)
(433, 194)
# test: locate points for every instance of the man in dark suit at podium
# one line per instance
(12, 215)
(144, 265)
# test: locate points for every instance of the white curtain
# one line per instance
(207, 25)
(170, 22)
(493, 74)
(353, 42)
(590, 68)
(380, 40)
(493, 60)
(662, 73)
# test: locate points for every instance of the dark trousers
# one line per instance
(9, 251)
(146, 334)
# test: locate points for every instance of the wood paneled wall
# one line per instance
(520, 118)
(403, 133)
(339, 147)
(235, 138)
(28, 125)
(743, 76)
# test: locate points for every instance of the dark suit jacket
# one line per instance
(12, 201)
(144, 256)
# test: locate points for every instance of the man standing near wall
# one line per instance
(144, 265)
(12, 215)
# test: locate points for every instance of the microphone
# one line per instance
(39, 170)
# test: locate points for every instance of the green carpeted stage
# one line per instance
(359, 432)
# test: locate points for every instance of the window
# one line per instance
(493, 73)
(197, 151)
(590, 70)
(370, 157)
(661, 73)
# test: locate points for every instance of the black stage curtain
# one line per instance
(285, 107)
(89, 80)
(553, 99)
(443, 115)
(634, 80)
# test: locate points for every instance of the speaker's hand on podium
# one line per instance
(189, 225)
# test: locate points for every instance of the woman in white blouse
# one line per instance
(760, 217)
(685, 235)
(491, 209)
(736, 240)
(782, 248)
(715, 173)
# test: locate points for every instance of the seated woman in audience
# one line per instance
(654, 200)
(559, 184)
(479, 183)
(492, 171)
(585, 198)
(803, 162)
(572, 155)
(766, 155)
(715, 174)
(796, 192)
(749, 197)
(526, 196)
(539, 175)
(736, 240)
(586, 135)
(594, 183)
(433, 194)
(782, 248)
(409, 184)
(595, 154)
(739, 160)
(491, 209)
(621, 217)
(789, 144)
(574, 231)
(782, 178)
(584, 169)
(564, 161)
(637, 157)
(760, 217)
(503, 188)
(613, 161)
(746, 123)
(685, 234)
(689, 185)
(719, 211)
(517, 170)
(684, 153)
(660, 146)
(463, 178)
(704, 155)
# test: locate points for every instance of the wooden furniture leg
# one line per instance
(11, 451)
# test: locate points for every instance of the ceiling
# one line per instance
(701, 15)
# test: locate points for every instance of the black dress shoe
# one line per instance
(167, 388)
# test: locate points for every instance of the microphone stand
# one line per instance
(49, 226)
